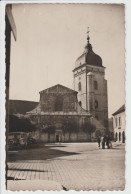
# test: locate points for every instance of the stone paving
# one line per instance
(90, 169)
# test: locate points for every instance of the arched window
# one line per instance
(96, 104)
(80, 103)
(95, 85)
(59, 104)
(123, 137)
(79, 86)
(119, 136)
(116, 136)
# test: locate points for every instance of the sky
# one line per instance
(50, 37)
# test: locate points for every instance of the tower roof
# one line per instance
(89, 57)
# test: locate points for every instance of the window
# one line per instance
(119, 136)
(123, 137)
(80, 103)
(59, 104)
(79, 86)
(116, 137)
(116, 121)
(96, 104)
(95, 85)
(119, 121)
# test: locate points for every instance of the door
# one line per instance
(57, 138)
(123, 137)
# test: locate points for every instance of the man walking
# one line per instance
(103, 142)
(99, 141)
(107, 142)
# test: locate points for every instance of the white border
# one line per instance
(128, 88)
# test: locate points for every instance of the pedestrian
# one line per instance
(107, 142)
(99, 141)
(110, 143)
(59, 139)
(103, 142)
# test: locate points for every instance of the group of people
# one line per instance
(104, 141)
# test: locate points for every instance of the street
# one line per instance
(75, 166)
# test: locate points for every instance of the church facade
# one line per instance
(58, 107)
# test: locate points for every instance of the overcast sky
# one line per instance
(50, 37)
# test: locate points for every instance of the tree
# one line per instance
(20, 124)
(49, 128)
(98, 133)
(88, 128)
(70, 126)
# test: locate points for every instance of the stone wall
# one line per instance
(73, 137)
(58, 98)
(99, 94)
(42, 121)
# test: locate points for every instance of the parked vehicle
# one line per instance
(31, 140)
(17, 140)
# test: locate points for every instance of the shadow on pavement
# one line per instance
(28, 170)
(37, 152)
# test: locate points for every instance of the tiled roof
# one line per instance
(21, 106)
(121, 109)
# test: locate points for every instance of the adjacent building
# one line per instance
(119, 124)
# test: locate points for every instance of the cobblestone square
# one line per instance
(89, 168)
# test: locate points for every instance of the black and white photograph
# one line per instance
(65, 96)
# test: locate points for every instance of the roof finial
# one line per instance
(88, 37)
(88, 47)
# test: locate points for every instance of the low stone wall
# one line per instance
(73, 137)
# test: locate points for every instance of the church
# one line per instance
(63, 113)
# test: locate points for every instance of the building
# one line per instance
(119, 124)
(89, 81)
(60, 117)
(110, 128)
(60, 106)
(20, 107)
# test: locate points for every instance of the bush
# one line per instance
(89, 128)
(70, 126)
(98, 133)
(50, 129)
(20, 124)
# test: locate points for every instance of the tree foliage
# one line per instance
(87, 127)
(49, 129)
(98, 133)
(20, 124)
(70, 126)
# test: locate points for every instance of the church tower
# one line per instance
(89, 81)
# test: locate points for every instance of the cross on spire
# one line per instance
(88, 37)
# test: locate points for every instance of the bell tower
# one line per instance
(90, 82)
